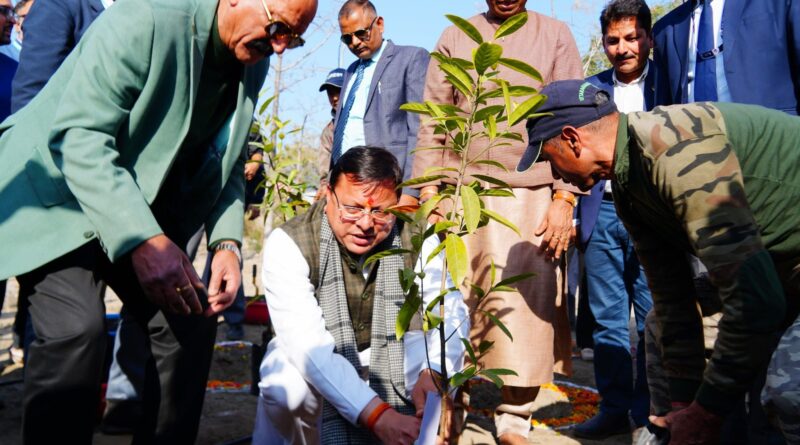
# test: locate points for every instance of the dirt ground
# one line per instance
(228, 416)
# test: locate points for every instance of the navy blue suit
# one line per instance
(615, 281)
(52, 29)
(761, 53)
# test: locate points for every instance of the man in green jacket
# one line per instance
(134, 143)
(719, 181)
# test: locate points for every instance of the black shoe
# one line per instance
(602, 426)
(121, 417)
(235, 332)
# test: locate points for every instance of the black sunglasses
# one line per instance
(7, 11)
(362, 34)
(281, 31)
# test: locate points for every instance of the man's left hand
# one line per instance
(693, 425)
(430, 381)
(557, 230)
(226, 277)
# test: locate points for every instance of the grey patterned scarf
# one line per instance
(386, 368)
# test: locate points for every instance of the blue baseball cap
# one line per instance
(335, 79)
(569, 102)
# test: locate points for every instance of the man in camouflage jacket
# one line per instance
(721, 182)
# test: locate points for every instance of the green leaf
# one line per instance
(463, 63)
(493, 163)
(494, 375)
(522, 67)
(492, 127)
(432, 170)
(468, 28)
(470, 351)
(502, 220)
(401, 215)
(265, 105)
(438, 147)
(492, 180)
(416, 107)
(430, 321)
(456, 253)
(492, 271)
(472, 208)
(460, 378)
(515, 278)
(496, 321)
(463, 88)
(511, 135)
(442, 226)
(485, 346)
(426, 208)
(511, 24)
(436, 251)
(487, 111)
(407, 277)
(439, 298)
(477, 291)
(380, 255)
(459, 73)
(421, 180)
(410, 307)
(497, 192)
(525, 109)
(506, 97)
(503, 289)
(487, 55)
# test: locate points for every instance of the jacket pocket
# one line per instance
(46, 179)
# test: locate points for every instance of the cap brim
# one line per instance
(530, 156)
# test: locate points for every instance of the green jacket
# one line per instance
(719, 181)
(87, 156)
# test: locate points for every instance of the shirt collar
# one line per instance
(621, 158)
(377, 56)
(107, 3)
(635, 81)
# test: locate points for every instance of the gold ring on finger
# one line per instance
(182, 289)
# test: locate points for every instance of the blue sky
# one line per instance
(407, 22)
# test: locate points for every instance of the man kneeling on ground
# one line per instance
(336, 372)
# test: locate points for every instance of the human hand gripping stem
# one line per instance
(426, 383)
(166, 275)
(392, 428)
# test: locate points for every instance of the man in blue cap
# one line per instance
(333, 86)
(702, 178)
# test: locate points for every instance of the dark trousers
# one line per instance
(615, 283)
(63, 370)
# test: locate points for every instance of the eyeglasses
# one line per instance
(362, 34)
(281, 31)
(353, 214)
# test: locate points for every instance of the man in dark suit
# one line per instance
(615, 280)
(134, 143)
(750, 50)
(55, 26)
(385, 77)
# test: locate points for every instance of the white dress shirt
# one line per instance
(723, 93)
(354, 127)
(107, 3)
(629, 97)
(308, 346)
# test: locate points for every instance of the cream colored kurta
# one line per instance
(537, 315)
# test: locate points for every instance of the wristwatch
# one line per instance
(230, 246)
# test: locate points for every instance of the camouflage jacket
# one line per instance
(720, 181)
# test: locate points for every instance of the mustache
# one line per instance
(624, 58)
(263, 46)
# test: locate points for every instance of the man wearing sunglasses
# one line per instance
(384, 77)
(134, 143)
(335, 373)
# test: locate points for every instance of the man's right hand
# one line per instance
(393, 428)
(167, 276)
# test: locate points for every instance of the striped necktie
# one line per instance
(341, 121)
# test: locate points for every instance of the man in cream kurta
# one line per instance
(536, 315)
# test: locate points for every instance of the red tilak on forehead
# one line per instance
(370, 201)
